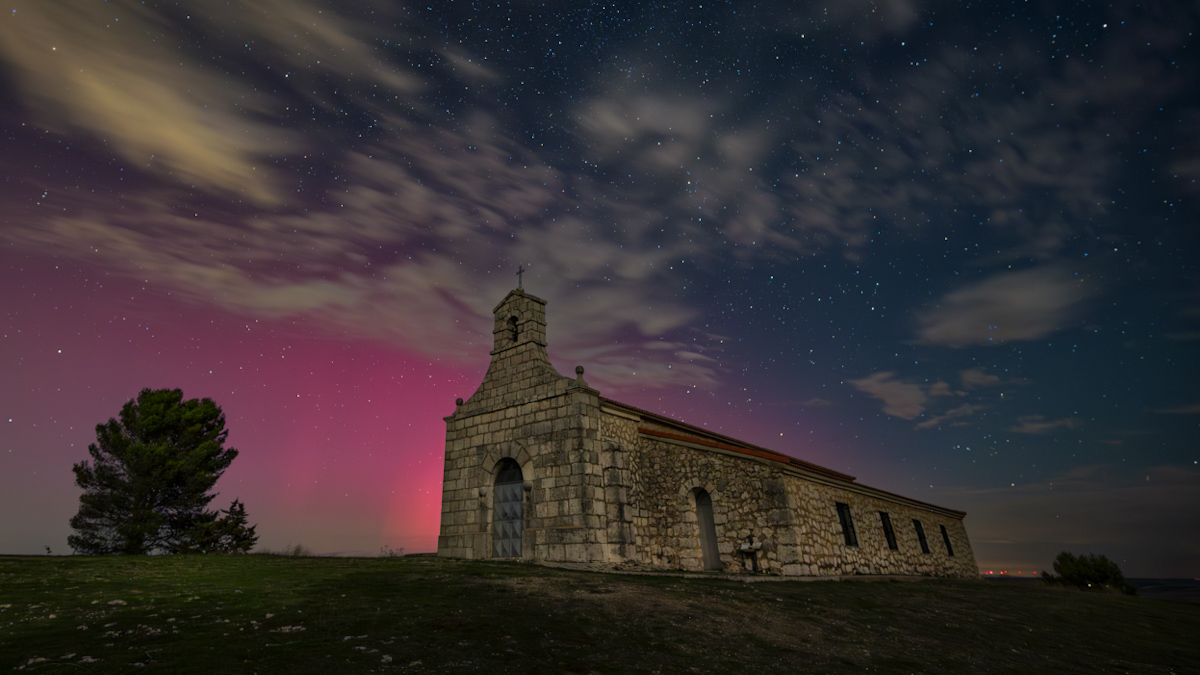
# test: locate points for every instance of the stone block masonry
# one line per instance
(525, 412)
(603, 482)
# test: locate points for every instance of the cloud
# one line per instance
(1037, 167)
(710, 169)
(119, 72)
(1024, 305)
(1037, 424)
(428, 218)
(655, 132)
(910, 400)
(374, 268)
(941, 388)
(900, 399)
(961, 411)
(677, 153)
(1192, 409)
(974, 378)
(104, 69)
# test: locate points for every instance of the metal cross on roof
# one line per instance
(520, 271)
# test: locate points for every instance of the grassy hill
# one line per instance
(271, 614)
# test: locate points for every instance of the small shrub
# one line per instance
(389, 552)
(297, 551)
(1089, 573)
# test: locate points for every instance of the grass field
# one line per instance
(273, 614)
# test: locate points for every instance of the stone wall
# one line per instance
(793, 516)
(547, 423)
(822, 548)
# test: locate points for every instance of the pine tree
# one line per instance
(227, 534)
(147, 487)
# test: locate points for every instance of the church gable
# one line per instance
(520, 369)
(523, 411)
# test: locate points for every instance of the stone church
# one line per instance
(540, 466)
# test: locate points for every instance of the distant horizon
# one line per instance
(984, 570)
(993, 572)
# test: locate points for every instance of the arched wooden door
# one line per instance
(508, 510)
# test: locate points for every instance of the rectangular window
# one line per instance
(921, 536)
(847, 523)
(946, 538)
(888, 533)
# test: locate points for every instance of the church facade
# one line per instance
(540, 466)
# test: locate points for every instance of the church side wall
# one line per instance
(748, 499)
(823, 549)
(795, 519)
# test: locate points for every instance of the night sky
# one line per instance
(950, 248)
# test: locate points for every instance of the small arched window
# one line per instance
(512, 328)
